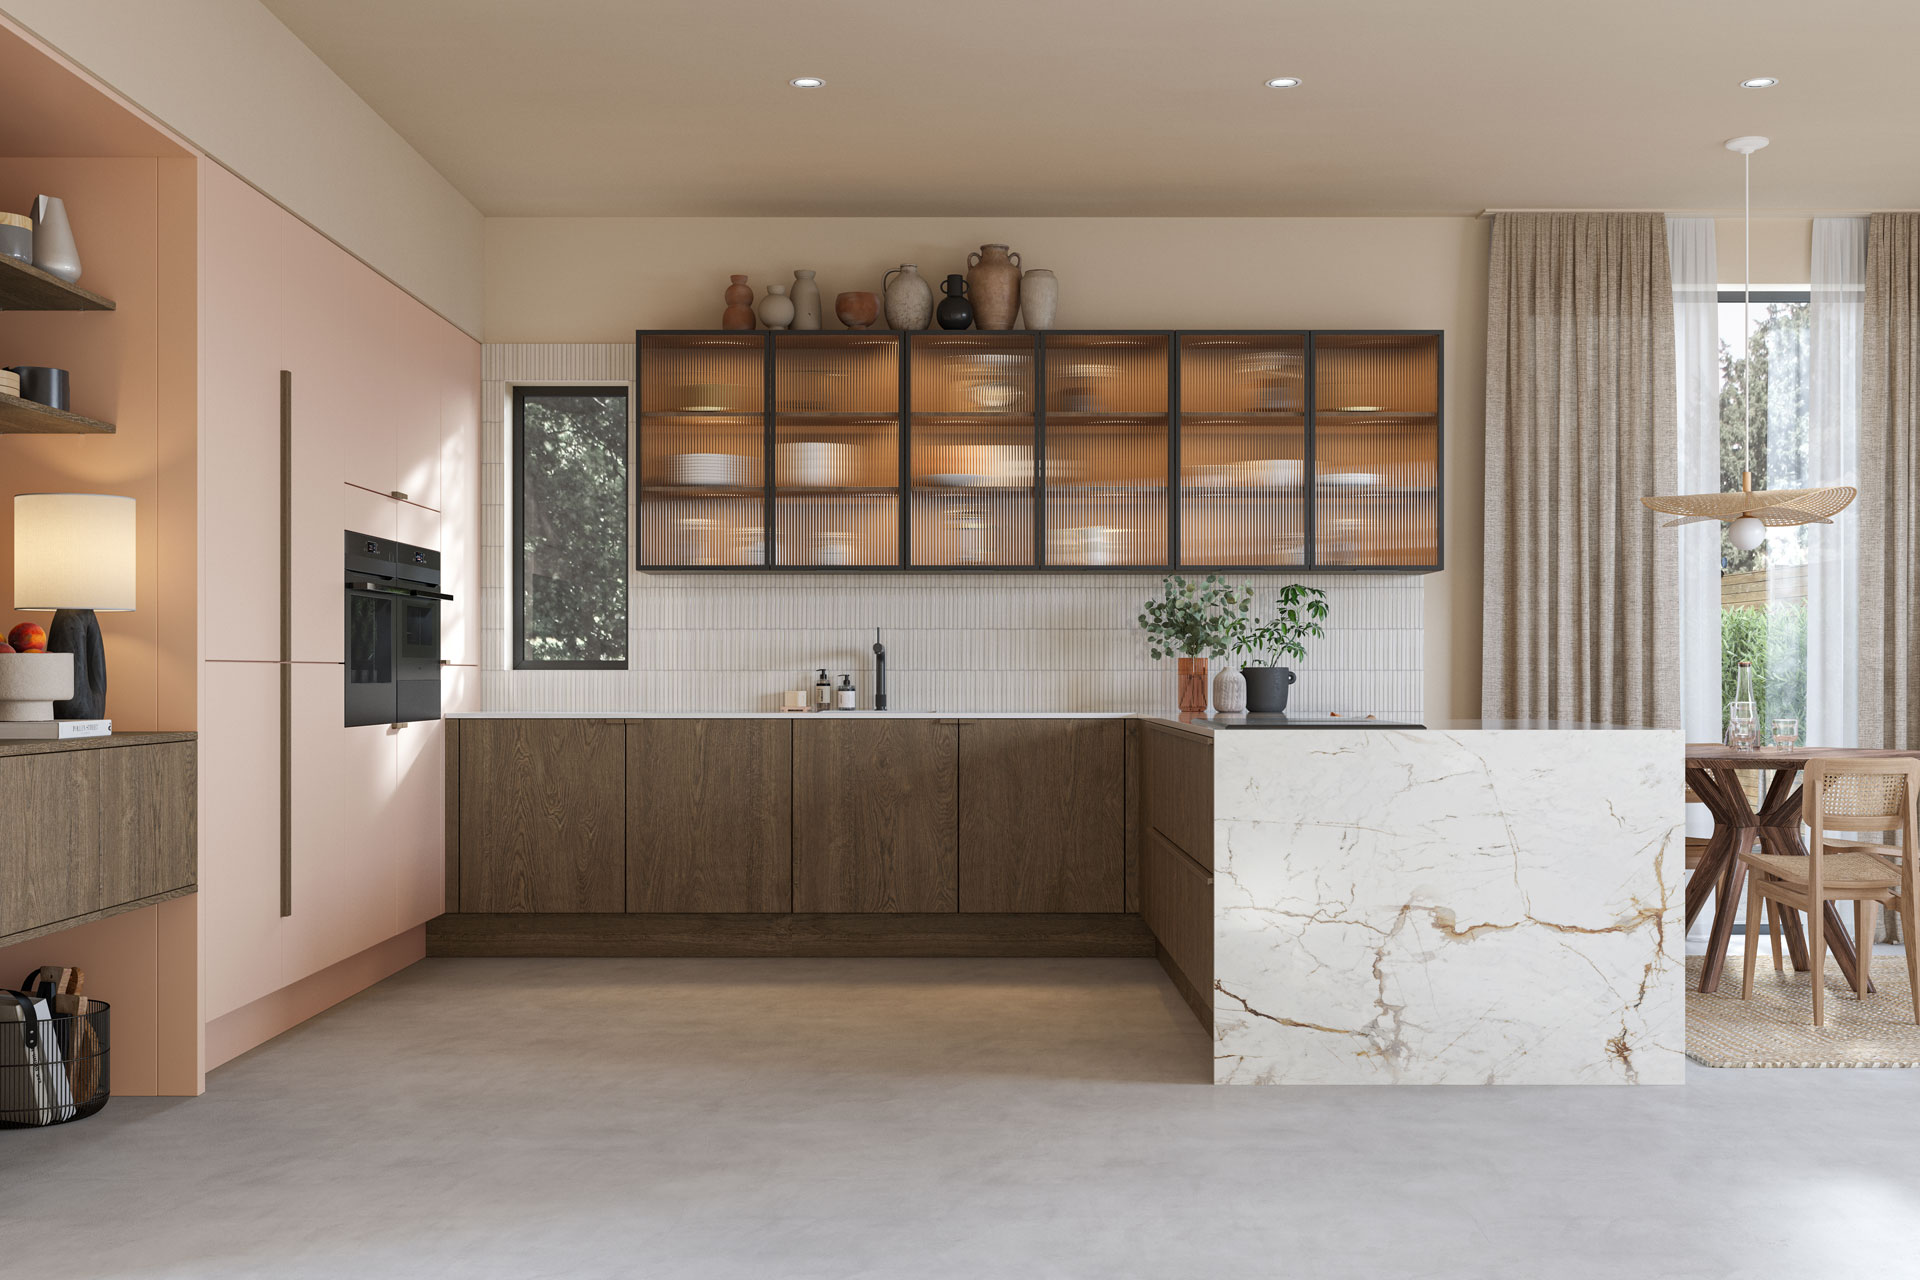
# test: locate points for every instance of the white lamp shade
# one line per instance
(73, 551)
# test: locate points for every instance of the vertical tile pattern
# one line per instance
(955, 642)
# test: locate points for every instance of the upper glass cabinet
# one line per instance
(954, 451)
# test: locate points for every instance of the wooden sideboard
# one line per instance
(94, 827)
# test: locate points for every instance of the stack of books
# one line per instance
(9, 382)
(53, 730)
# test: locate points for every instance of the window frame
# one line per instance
(517, 523)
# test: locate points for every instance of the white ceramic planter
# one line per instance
(30, 683)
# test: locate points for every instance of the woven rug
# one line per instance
(1775, 1028)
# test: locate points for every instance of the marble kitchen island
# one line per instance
(1472, 904)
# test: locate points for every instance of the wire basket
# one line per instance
(55, 1070)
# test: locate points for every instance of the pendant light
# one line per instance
(1748, 514)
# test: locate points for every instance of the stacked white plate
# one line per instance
(709, 469)
(815, 463)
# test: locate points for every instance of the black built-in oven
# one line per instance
(393, 631)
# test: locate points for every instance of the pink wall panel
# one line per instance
(240, 832)
(459, 362)
(417, 405)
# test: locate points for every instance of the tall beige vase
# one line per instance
(1039, 298)
(993, 286)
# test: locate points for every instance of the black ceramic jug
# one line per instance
(954, 311)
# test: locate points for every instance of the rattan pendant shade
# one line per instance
(1775, 508)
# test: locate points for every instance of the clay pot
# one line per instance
(806, 301)
(909, 299)
(776, 309)
(1039, 298)
(739, 312)
(955, 312)
(857, 310)
(993, 283)
(1193, 686)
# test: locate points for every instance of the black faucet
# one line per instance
(879, 672)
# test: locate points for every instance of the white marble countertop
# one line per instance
(863, 714)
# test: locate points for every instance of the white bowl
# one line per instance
(30, 683)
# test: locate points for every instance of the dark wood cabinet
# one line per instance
(709, 808)
(1176, 899)
(1061, 450)
(94, 827)
(1177, 769)
(542, 815)
(875, 806)
(1042, 815)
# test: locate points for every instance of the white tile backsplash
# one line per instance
(1001, 642)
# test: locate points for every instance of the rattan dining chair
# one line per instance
(1844, 795)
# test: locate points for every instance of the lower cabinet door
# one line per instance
(709, 815)
(147, 831)
(1043, 815)
(874, 815)
(542, 815)
(1176, 900)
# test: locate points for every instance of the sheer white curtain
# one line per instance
(1696, 334)
(1836, 314)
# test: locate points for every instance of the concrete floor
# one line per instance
(924, 1118)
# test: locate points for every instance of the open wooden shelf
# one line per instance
(25, 287)
(25, 418)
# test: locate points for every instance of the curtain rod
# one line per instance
(1715, 213)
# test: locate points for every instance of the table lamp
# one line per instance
(74, 553)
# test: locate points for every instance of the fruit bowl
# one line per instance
(30, 683)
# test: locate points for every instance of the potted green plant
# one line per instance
(1297, 614)
(1194, 621)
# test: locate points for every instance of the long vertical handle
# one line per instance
(286, 642)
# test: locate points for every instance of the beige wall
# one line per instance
(230, 78)
(599, 279)
(1782, 250)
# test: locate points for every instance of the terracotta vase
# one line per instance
(806, 301)
(857, 310)
(739, 312)
(909, 298)
(1193, 686)
(1039, 298)
(993, 284)
(776, 309)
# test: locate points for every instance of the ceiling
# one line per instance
(1122, 107)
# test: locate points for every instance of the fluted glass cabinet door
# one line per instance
(1243, 449)
(702, 446)
(1106, 448)
(973, 432)
(1376, 453)
(836, 449)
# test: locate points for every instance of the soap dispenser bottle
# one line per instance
(845, 694)
(823, 692)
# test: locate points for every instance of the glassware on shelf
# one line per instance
(1786, 732)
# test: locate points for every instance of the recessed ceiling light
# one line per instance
(807, 82)
(1284, 82)
(1759, 82)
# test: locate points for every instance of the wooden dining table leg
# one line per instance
(1722, 932)
(1729, 813)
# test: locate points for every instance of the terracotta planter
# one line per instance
(993, 285)
(1193, 686)
(857, 310)
(739, 312)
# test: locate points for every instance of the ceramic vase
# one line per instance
(739, 312)
(1193, 686)
(1267, 688)
(1039, 298)
(1229, 692)
(16, 236)
(857, 310)
(955, 311)
(993, 283)
(908, 297)
(776, 309)
(54, 251)
(806, 301)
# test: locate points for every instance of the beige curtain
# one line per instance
(1889, 478)
(1582, 614)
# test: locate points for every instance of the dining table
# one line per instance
(1713, 774)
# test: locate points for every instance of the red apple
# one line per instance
(28, 637)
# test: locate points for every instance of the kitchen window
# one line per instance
(570, 527)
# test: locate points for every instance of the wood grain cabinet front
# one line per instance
(709, 815)
(542, 815)
(874, 815)
(1042, 815)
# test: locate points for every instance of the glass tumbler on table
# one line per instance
(1743, 726)
(1786, 732)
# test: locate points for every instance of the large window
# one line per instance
(1764, 350)
(570, 527)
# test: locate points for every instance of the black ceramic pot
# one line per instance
(42, 385)
(1267, 687)
(954, 311)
